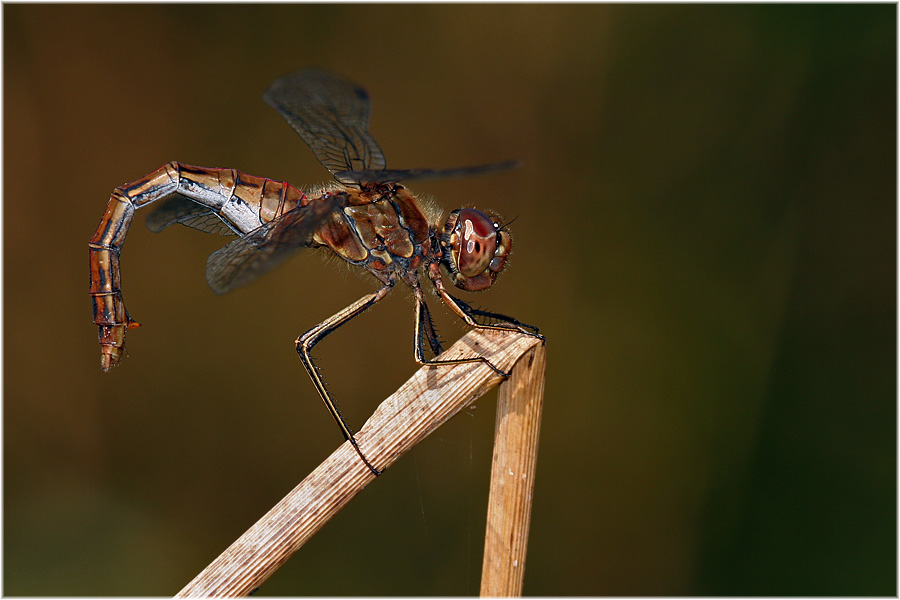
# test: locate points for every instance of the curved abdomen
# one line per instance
(235, 200)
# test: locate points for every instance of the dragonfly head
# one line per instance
(475, 247)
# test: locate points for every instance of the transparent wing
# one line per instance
(331, 114)
(264, 248)
(395, 175)
(189, 213)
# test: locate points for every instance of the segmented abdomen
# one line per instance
(243, 203)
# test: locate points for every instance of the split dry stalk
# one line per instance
(519, 404)
(421, 405)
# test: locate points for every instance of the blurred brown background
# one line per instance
(706, 233)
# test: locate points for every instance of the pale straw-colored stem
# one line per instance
(427, 400)
(518, 427)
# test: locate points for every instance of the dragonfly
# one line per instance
(365, 216)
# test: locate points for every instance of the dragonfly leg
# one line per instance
(312, 337)
(468, 314)
(425, 330)
(424, 327)
(475, 312)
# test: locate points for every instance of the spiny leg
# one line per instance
(476, 312)
(425, 330)
(312, 337)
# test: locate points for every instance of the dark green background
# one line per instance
(706, 233)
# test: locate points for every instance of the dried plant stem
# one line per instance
(427, 400)
(519, 404)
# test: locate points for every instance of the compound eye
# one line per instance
(475, 242)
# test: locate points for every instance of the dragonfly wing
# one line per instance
(264, 248)
(179, 209)
(331, 114)
(395, 175)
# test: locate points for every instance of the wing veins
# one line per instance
(264, 248)
(331, 114)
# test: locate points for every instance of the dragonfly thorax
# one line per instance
(379, 229)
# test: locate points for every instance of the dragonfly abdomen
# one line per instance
(210, 199)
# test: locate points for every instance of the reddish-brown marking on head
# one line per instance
(478, 248)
